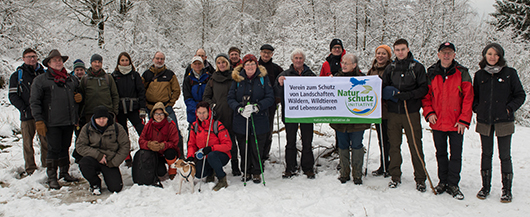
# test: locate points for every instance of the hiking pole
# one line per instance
(246, 155)
(257, 148)
(368, 151)
(383, 153)
(204, 157)
(416, 147)
(278, 124)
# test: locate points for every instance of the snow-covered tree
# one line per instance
(513, 14)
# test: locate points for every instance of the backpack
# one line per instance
(107, 76)
(410, 69)
(144, 168)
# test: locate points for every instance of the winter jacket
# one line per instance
(167, 134)
(207, 66)
(98, 88)
(52, 103)
(161, 86)
(273, 70)
(406, 80)
(349, 128)
(131, 91)
(279, 90)
(19, 92)
(450, 96)
(332, 64)
(216, 92)
(199, 135)
(259, 90)
(114, 145)
(497, 96)
(375, 70)
(193, 89)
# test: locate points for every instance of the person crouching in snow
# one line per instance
(210, 141)
(350, 135)
(160, 135)
(103, 150)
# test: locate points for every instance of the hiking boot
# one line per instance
(440, 188)
(220, 184)
(506, 196)
(378, 172)
(246, 178)
(256, 178)
(420, 186)
(288, 174)
(344, 179)
(393, 184)
(483, 193)
(95, 190)
(454, 191)
(210, 178)
(236, 172)
(310, 174)
(51, 171)
(357, 181)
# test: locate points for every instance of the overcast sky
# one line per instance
(483, 7)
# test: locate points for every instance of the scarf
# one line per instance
(59, 77)
(161, 127)
(125, 69)
(156, 70)
(493, 69)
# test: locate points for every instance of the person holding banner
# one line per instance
(250, 96)
(404, 85)
(297, 68)
(350, 135)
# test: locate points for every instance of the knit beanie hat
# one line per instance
(334, 42)
(96, 57)
(101, 111)
(222, 55)
(497, 47)
(387, 48)
(250, 57)
(79, 64)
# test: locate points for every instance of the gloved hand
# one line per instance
(255, 108)
(128, 163)
(243, 111)
(41, 128)
(78, 97)
(143, 113)
(207, 150)
(190, 159)
(403, 96)
(153, 145)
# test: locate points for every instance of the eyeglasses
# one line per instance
(336, 47)
(31, 57)
(267, 52)
(158, 114)
(250, 64)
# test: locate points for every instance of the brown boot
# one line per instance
(221, 184)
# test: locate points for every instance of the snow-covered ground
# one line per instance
(323, 196)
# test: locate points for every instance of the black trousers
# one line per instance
(307, 160)
(448, 168)
(504, 146)
(383, 129)
(169, 154)
(253, 162)
(59, 141)
(134, 118)
(90, 167)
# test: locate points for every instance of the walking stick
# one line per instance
(278, 124)
(368, 151)
(416, 147)
(204, 157)
(257, 148)
(382, 146)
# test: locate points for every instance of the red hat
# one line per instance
(250, 57)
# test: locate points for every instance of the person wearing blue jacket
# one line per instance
(193, 86)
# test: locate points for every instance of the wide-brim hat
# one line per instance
(53, 53)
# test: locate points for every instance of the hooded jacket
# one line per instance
(332, 64)
(131, 91)
(94, 143)
(193, 89)
(168, 134)
(161, 86)
(218, 142)
(98, 88)
(450, 96)
(259, 91)
(216, 92)
(19, 92)
(406, 80)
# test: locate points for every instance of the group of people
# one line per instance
(230, 109)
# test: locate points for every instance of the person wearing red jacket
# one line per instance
(210, 143)
(161, 135)
(448, 109)
(332, 64)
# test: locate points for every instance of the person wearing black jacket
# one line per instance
(54, 105)
(498, 94)
(407, 81)
(19, 93)
(298, 68)
(273, 70)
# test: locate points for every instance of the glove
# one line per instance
(403, 96)
(246, 111)
(153, 145)
(78, 97)
(389, 92)
(143, 113)
(41, 128)
(255, 108)
(128, 163)
(190, 159)
(207, 150)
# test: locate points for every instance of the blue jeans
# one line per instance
(353, 140)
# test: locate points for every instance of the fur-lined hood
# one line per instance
(238, 77)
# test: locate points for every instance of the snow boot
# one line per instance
(440, 188)
(51, 171)
(420, 186)
(288, 174)
(486, 184)
(256, 178)
(172, 172)
(394, 183)
(357, 156)
(454, 191)
(310, 174)
(210, 178)
(507, 179)
(64, 166)
(220, 184)
(95, 190)
(344, 162)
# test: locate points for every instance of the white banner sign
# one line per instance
(333, 99)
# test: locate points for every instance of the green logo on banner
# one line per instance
(361, 99)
